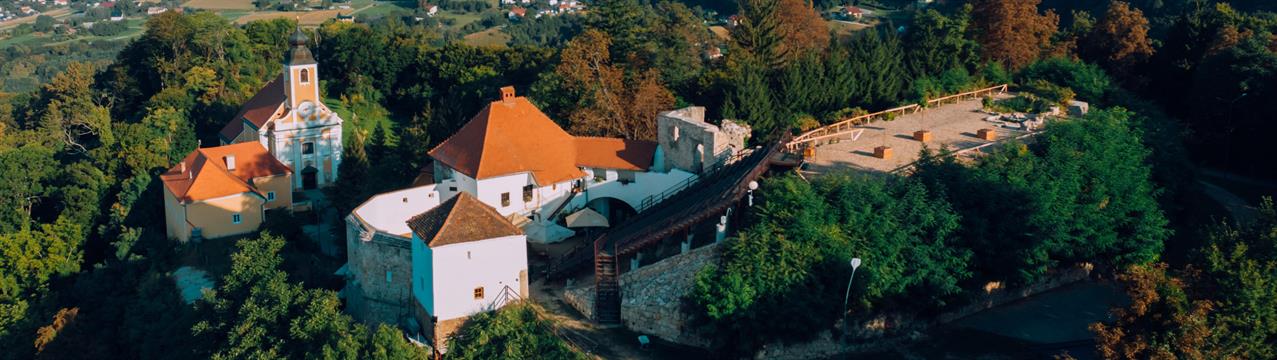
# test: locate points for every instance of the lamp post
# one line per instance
(855, 263)
(753, 185)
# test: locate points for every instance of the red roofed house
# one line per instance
(852, 12)
(289, 118)
(222, 191)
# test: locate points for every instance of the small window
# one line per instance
(527, 193)
(625, 177)
(390, 275)
(478, 293)
(674, 130)
(505, 199)
(235, 219)
(467, 255)
(305, 76)
(308, 148)
(600, 175)
(270, 196)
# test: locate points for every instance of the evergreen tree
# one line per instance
(352, 176)
(877, 68)
(938, 43)
(759, 31)
(750, 100)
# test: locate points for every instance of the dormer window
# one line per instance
(305, 76)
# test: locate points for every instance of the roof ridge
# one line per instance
(447, 218)
(493, 211)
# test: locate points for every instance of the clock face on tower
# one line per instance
(306, 109)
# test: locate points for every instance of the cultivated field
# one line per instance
(493, 37)
(221, 4)
(306, 18)
(56, 13)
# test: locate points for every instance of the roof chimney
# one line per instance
(507, 94)
(181, 167)
(230, 162)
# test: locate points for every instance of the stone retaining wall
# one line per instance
(652, 296)
(581, 298)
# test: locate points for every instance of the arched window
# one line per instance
(305, 76)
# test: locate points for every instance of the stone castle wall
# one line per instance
(379, 283)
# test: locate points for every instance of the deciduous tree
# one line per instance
(612, 105)
(1120, 39)
(1012, 31)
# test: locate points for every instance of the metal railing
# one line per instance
(652, 200)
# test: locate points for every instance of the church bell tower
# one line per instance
(301, 74)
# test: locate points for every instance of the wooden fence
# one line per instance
(850, 125)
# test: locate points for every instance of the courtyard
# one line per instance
(953, 126)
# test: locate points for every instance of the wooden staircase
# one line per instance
(607, 290)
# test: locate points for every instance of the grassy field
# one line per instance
(221, 4)
(306, 18)
(135, 27)
(493, 37)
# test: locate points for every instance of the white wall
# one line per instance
(444, 278)
(288, 135)
(544, 198)
(389, 212)
(645, 184)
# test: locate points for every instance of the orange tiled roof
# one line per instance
(511, 136)
(257, 110)
(205, 175)
(463, 218)
(613, 153)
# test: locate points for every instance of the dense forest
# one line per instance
(1175, 86)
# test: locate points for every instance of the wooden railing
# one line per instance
(848, 125)
(975, 94)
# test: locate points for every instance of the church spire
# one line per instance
(300, 54)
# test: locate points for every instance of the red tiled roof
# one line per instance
(205, 175)
(463, 218)
(257, 110)
(508, 137)
(612, 153)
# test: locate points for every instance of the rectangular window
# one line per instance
(308, 148)
(625, 177)
(270, 196)
(505, 199)
(235, 219)
(527, 193)
(389, 276)
(600, 175)
(478, 293)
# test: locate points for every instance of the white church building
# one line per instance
(289, 118)
(527, 175)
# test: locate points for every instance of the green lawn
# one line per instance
(460, 18)
(369, 116)
(381, 8)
